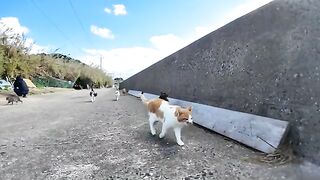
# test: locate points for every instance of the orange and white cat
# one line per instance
(171, 116)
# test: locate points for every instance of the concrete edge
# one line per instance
(261, 133)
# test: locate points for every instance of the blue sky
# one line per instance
(128, 35)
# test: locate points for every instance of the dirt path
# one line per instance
(65, 136)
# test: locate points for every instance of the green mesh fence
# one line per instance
(51, 82)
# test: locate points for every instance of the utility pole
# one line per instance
(101, 62)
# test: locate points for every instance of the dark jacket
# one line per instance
(20, 87)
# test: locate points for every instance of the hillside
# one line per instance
(15, 59)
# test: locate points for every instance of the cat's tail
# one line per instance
(144, 99)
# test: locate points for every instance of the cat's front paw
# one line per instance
(180, 143)
(161, 135)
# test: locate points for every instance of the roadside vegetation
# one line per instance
(15, 59)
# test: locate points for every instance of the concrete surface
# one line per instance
(264, 63)
(261, 133)
(65, 136)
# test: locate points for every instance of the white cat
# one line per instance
(117, 94)
(171, 116)
(93, 95)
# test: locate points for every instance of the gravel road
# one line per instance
(64, 136)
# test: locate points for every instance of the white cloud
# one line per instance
(167, 44)
(122, 61)
(102, 32)
(16, 28)
(119, 9)
(125, 62)
(34, 48)
(107, 10)
(13, 24)
(200, 31)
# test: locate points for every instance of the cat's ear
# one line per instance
(190, 108)
(177, 112)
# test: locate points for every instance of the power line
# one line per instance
(78, 19)
(100, 62)
(82, 26)
(55, 25)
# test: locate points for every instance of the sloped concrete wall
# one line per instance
(265, 63)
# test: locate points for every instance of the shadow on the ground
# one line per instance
(77, 97)
(88, 101)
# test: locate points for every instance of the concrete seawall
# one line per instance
(265, 63)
